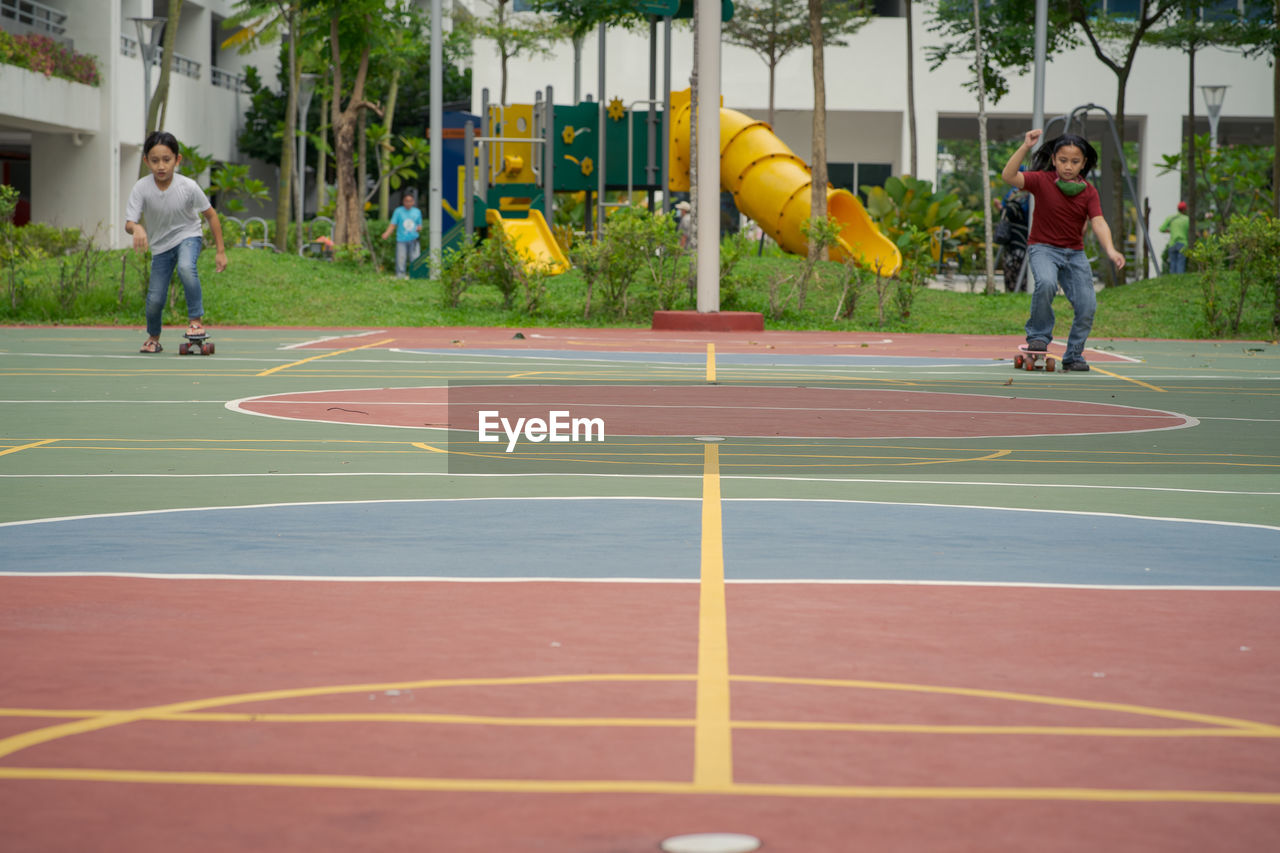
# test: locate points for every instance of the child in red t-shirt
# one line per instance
(1064, 204)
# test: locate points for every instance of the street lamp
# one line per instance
(1213, 97)
(150, 32)
(306, 86)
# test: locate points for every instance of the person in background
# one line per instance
(406, 222)
(1178, 227)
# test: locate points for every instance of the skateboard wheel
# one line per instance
(183, 349)
(1018, 361)
(1050, 365)
(208, 350)
(1029, 364)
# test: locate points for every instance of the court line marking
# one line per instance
(836, 480)
(1263, 732)
(1147, 385)
(606, 786)
(23, 447)
(713, 745)
(580, 498)
(672, 580)
(711, 363)
(280, 367)
(327, 338)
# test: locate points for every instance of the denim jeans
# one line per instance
(1177, 260)
(406, 253)
(1068, 268)
(184, 257)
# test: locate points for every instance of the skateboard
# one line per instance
(1029, 360)
(196, 345)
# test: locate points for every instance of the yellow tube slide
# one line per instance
(532, 239)
(772, 186)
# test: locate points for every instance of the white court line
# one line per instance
(582, 498)
(326, 338)
(563, 580)
(762, 477)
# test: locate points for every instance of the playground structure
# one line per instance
(505, 166)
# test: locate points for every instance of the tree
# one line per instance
(357, 29)
(774, 28)
(262, 21)
(1008, 39)
(1257, 34)
(159, 102)
(1189, 33)
(1115, 41)
(982, 145)
(512, 36)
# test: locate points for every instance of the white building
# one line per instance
(74, 150)
(866, 95)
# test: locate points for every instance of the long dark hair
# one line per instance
(1043, 159)
(161, 137)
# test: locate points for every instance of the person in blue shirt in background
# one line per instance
(407, 223)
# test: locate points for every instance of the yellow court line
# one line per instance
(598, 786)
(424, 446)
(280, 367)
(712, 734)
(711, 363)
(1128, 379)
(28, 446)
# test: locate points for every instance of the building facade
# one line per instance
(74, 150)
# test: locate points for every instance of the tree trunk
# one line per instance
(160, 101)
(384, 189)
(289, 142)
(348, 215)
(322, 166)
(911, 93)
(818, 205)
(1120, 227)
(984, 155)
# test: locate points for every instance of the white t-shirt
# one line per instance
(173, 214)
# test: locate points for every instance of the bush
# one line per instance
(43, 55)
(1249, 248)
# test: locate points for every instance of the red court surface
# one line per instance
(565, 719)
(665, 410)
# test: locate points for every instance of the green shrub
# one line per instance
(43, 55)
(1244, 258)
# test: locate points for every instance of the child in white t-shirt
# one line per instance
(172, 205)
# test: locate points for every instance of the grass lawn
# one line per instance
(261, 288)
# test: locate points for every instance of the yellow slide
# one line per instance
(771, 185)
(532, 239)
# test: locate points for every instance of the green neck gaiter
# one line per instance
(1071, 188)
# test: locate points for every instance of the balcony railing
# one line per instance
(183, 65)
(227, 80)
(28, 16)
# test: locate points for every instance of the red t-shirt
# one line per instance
(1059, 219)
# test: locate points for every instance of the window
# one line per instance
(854, 176)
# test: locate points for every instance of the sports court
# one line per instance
(832, 591)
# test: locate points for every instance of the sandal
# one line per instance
(151, 347)
(195, 329)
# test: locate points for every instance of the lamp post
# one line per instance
(150, 31)
(306, 87)
(1213, 97)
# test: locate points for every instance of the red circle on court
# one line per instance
(688, 410)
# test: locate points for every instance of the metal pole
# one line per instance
(708, 224)
(549, 159)
(1041, 38)
(666, 115)
(651, 166)
(600, 149)
(435, 198)
(469, 180)
(306, 87)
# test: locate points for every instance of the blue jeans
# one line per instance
(184, 257)
(407, 252)
(1177, 260)
(1068, 268)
